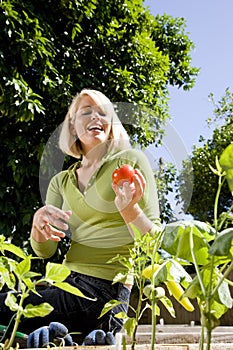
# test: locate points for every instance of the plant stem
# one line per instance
(16, 324)
(208, 318)
(202, 338)
(156, 247)
(209, 336)
(153, 335)
(203, 317)
(216, 202)
(227, 271)
(137, 317)
(140, 284)
(210, 293)
(191, 242)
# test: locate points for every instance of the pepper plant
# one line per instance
(149, 269)
(209, 247)
(17, 276)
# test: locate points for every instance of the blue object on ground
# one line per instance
(99, 337)
(44, 336)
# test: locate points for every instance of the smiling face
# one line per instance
(91, 125)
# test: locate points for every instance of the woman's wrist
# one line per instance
(142, 223)
(134, 216)
(37, 236)
(130, 213)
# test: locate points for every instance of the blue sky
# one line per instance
(210, 27)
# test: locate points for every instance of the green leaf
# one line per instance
(223, 246)
(56, 272)
(194, 289)
(28, 282)
(216, 172)
(37, 311)
(11, 302)
(129, 326)
(71, 289)
(109, 306)
(218, 309)
(160, 275)
(168, 305)
(31, 274)
(218, 166)
(176, 239)
(122, 260)
(9, 279)
(13, 249)
(136, 231)
(23, 267)
(2, 239)
(226, 158)
(225, 295)
(226, 162)
(121, 314)
(179, 274)
(119, 277)
(229, 177)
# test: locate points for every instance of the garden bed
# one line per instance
(169, 337)
(181, 334)
(219, 346)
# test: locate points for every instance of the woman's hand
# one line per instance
(127, 198)
(48, 222)
(128, 195)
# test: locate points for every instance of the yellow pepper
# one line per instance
(147, 272)
(173, 287)
(176, 290)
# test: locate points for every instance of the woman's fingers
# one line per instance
(139, 188)
(139, 180)
(52, 233)
(130, 193)
(124, 195)
(56, 216)
(50, 220)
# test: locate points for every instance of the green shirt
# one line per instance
(98, 231)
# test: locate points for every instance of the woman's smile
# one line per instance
(95, 128)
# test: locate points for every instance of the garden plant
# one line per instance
(150, 269)
(162, 259)
(16, 276)
(209, 248)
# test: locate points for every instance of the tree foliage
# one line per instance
(205, 182)
(172, 39)
(52, 49)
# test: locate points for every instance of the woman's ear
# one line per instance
(72, 129)
(110, 136)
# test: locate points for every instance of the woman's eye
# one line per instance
(87, 111)
(102, 113)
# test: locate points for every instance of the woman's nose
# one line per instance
(95, 114)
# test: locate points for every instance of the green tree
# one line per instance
(201, 207)
(177, 45)
(50, 50)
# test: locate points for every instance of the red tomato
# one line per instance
(124, 173)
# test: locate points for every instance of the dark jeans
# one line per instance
(77, 313)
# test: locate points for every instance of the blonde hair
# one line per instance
(70, 145)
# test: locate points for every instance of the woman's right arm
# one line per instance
(49, 221)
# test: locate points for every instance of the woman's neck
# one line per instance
(94, 157)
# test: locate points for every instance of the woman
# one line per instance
(97, 213)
